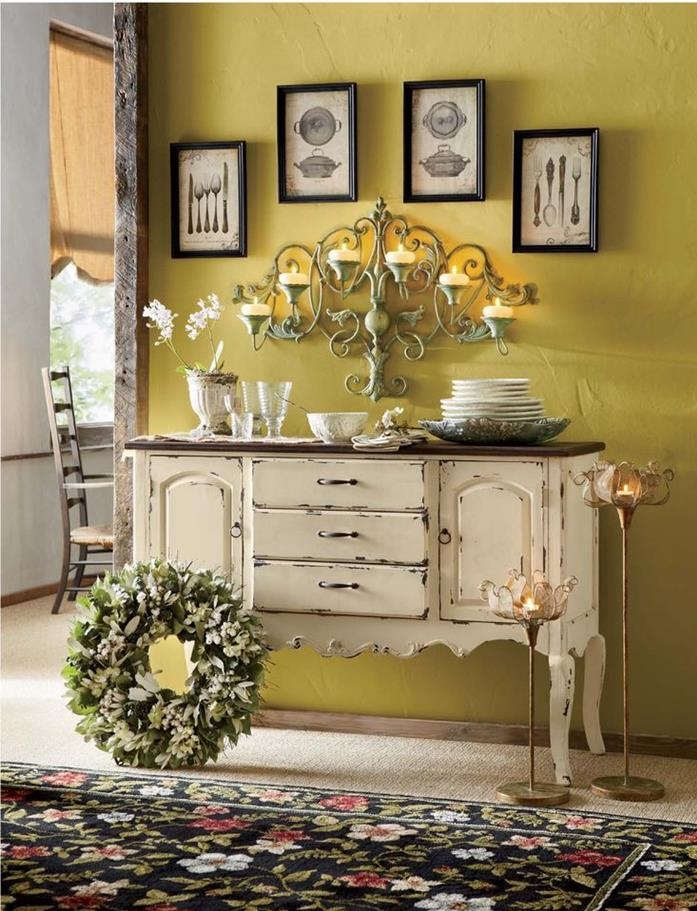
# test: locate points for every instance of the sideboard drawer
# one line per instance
(350, 589)
(340, 535)
(339, 484)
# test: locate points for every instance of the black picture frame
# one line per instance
(555, 190)
(194, 168)
(316, 128)
(444, 141)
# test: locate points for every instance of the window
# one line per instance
(82, 218)
(82, 335)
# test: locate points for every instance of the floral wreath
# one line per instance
(111, 684)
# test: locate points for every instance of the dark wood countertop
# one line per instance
(319, 449)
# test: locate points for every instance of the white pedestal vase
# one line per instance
(207, 393)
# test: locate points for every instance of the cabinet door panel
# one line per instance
(195, 515)
(492, 513)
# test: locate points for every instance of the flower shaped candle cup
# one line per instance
(626, 488)
(531, 605)
(294, 283)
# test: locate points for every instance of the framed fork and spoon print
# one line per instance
(555, 191)
(209, 208)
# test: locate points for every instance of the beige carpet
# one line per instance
(38, 728)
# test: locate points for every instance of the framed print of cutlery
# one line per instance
(317, 142)
(209, 200)
(444, 141)
(555, 191)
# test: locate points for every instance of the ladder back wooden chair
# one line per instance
(73, 486)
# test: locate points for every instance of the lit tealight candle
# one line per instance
(400, 256)
(497, 310)
(530, 608)
(625, 493)
(255, 309)
(294, 277)
(453, 278)
(344, 255)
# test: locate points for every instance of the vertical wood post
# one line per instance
(131, 256)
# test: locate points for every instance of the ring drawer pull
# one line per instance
(337, 534)
(353, 585)
(236, 530)
(328, 481)
(445, 537)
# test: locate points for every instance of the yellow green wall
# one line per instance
(613, 344)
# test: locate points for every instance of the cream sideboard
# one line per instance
(347, 552)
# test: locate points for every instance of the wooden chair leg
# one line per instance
(79, 573)
(63, 579)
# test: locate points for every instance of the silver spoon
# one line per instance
(549, 213)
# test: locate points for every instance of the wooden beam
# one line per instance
(475, 732)
(131, 256)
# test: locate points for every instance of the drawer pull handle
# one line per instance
(236, 530)
(332, 481)
(445, 537)
(337, 534)
(353, 585)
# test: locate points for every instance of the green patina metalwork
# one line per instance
(376, 332)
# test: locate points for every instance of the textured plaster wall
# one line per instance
(613, 343)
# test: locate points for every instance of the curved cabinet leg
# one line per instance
(594, 674)
(562, 671)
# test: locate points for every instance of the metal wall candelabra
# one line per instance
(626, 488)
(378, 250)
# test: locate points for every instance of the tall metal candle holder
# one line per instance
(531, 606)
(626, 488)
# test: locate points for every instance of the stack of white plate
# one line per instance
(504, 400)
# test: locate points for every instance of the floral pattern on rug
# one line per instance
(162, 842)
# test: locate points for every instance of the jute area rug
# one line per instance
(79, 839)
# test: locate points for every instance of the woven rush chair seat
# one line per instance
(101, 535)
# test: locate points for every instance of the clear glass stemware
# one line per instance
(273, 399)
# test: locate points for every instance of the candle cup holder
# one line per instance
(343, 271)
(497, 327)
(452, 292)
(253, 322)
(626, 488)
(400, 271)
(293, 292)
(531, 606)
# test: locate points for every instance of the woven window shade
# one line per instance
(82, 157)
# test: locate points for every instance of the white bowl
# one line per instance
(337, 426)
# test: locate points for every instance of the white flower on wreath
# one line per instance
(211, 863)
(473, 853)
(455, 901)
(385, 831)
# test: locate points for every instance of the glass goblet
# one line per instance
(273, 398)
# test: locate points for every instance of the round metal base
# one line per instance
(542, 795)
(617, 787)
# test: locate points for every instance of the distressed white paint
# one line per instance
(497, 511)
(30, 516)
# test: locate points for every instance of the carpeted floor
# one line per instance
(76, 839)
(38, 728)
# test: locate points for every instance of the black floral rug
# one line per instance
(74, 839)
